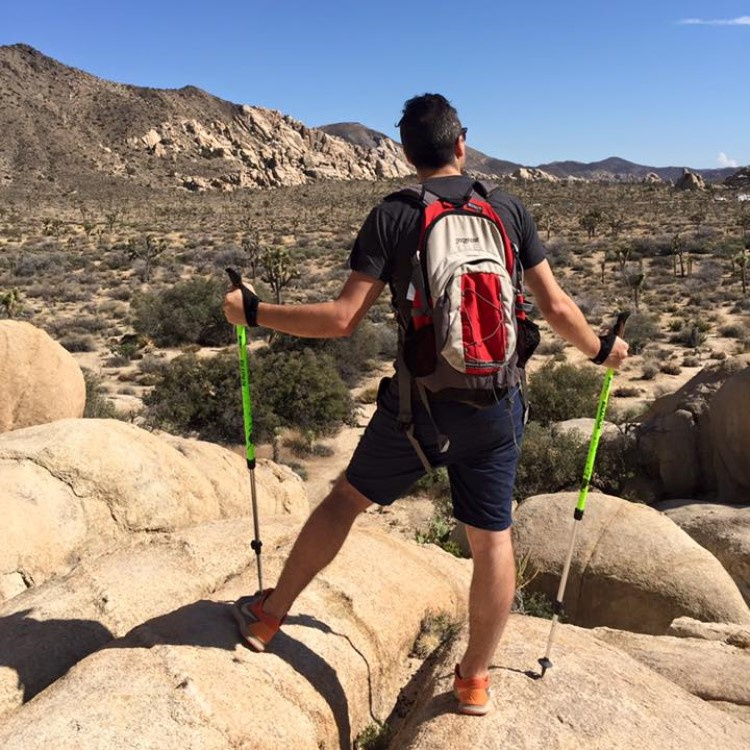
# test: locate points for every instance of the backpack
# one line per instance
(463, 330)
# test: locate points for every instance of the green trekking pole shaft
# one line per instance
(588, 471)
(247, 413)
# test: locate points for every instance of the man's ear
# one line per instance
(460, 149)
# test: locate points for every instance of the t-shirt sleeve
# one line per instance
(371, 254)
(532, 251)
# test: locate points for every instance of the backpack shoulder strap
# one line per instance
(485, 188)
(414, 194)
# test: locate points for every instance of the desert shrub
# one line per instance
(561, 391)
(41, 263)
(649, 371)
(551, 345)
(230, 256)
(551, 461)
(187, 313)
(374, 737)
(671, 368)
(692, 335)
(650, 246)
(304, 390)
(77, 342)
(641, 329)
(353, 356)
(203, 397)
(98, 406)
(296, 389)
(627, 392)
(691, 361)
(732, 330)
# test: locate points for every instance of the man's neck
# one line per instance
(449, 170)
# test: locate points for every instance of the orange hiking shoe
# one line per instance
(473, 694)
(256, 626)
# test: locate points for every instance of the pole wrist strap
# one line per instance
(605, 348)
(250, 303)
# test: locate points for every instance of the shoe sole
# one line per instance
(470, 709)
(255, 643)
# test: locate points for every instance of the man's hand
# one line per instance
(618, 354)
(233, 308)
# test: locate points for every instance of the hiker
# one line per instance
(479, 444)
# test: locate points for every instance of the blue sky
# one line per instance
(659, 82)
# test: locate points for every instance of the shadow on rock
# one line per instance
(209, 624)
(41, 651)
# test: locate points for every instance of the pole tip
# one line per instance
(545, 664)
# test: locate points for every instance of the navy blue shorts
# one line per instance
(484, 448)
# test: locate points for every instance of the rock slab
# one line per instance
(39, 380)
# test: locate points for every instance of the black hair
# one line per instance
(429, 128)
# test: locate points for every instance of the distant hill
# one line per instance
(611, 169)
(69, 129)
(65, 126)
(615, 168)
(361, 135)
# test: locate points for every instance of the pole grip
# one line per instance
(619, 327)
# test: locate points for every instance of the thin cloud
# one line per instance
(725, 161)
(740, 21)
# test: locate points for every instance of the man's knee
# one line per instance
(344, 498)
(483, 541)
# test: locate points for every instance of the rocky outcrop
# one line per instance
(652, 179)
(183, 680)
(77, 487)
(690, 181)
(595, 696)
(39, 380)
(693, 441)
(633, 569)
(48, 629)
(740, 179)
(529, 174)
(264, 148)
(733, 635)
(723, 530)
(711, 670)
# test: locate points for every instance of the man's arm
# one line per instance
(321, 320)
(565, 317)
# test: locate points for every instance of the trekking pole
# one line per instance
(247, 412)
(619, 329)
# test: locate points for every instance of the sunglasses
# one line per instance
(463, 132)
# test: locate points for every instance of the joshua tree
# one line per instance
(697, 218)
(616, 225)
(147, 251)
(280, 269)
(545, 219)
(253, 249)
(11, 302)
(741, 261)
(622, 254)
(52, 227)
(590, 222)
(635, 282)
(678, 251)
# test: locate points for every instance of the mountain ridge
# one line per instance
(612, 167)
(65, 126)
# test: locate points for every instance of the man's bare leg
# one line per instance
(493, 586)
(322, 536)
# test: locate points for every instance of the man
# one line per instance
(484, 442)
